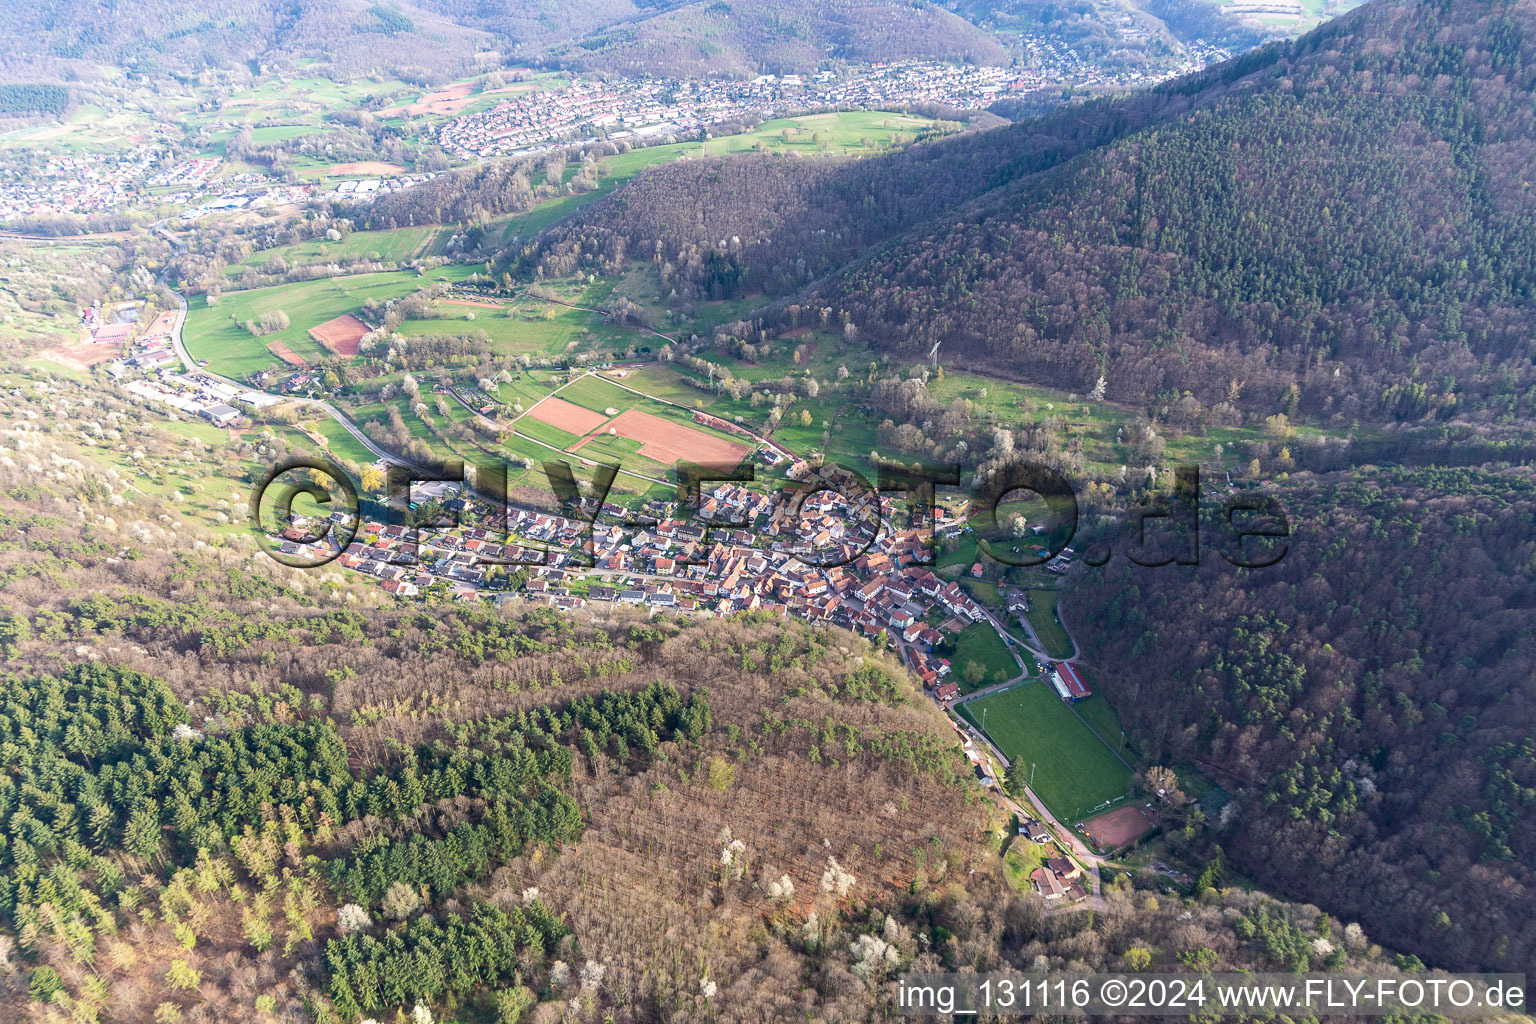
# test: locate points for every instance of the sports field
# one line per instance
(1101, 718)
(1121, 826)
(557, 412)
(668, 442)
(1074, 772)
(217, 334)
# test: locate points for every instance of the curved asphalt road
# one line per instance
(193, 370)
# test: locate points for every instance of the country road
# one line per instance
(194, 370)
(1063, 834)
(1014, 646)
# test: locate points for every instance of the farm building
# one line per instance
(1035, 831)
(1047, 884)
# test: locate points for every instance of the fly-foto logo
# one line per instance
(1251, 529)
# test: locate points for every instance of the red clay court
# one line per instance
(571, 418)
(84, 355)
(667, 442)
(340, 335)
(286, 354)
(1120, 827)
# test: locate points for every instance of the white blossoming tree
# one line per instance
(351, 919)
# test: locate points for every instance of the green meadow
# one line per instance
(980, 645)
(388, 244)
(217, 334)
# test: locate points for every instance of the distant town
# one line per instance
(647, 110)
(639, 111)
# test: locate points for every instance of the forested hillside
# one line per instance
(425, 40)
(766, 226)
(1369, 700)
(1345, 215)
(436, 40)
(446, 808)
(238, 792)
(748, 37)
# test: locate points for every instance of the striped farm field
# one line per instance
(557, 412)
(668, 443)
(540, 431)
(286, 354)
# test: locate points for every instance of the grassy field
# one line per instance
(1102, 719)
(982, 645)
(669, 384)
(215, 333)
(849, 131)
(982, 590)
(525, 388)
(1043, 617)
(300, 97)
(838, 132)
(625, 484)
(623, 451)
(341, 443)
(1074, 772)
(541, 431)
(598, 395)
(389, 244)
(269, 133)
(962, 556)
(527, 326)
